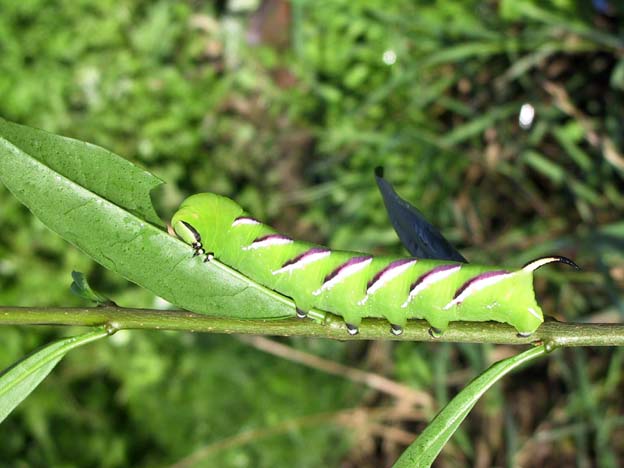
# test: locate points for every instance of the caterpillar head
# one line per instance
(203, 219)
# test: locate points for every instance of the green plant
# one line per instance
(120, 230)
(429, 90)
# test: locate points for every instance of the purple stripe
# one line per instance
(386, 269)
(437, 269)
(270, 237)
(298, 258)
(348, 263)
(476, 279)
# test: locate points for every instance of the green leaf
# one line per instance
(18, 381)
(81, 288)
(96, 169)
(428, 445)
(100, 203)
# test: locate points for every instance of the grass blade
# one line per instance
(18, 381)
(428, 445)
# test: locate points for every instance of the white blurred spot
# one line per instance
(120, 338)
(7, 267)
(526, 116)
(162, 304)
(389, 57)
(89, 80)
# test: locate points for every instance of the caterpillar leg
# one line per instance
(435, 332)
(198, 249)
(352, 322)
(524, 334)
(191, 236)
(301, 313)
(397, 322)
(437, 326)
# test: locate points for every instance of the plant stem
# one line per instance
(554, 334)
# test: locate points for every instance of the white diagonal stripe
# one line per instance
(303, 262)
(245, 220)
(270, 242)
(428, 281)
(389, 275)
(474, 287)
(534, 313)
(342, 275)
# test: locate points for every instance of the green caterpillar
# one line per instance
(355, 285)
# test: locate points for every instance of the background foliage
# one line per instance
(288, 107)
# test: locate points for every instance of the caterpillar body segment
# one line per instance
(357, 285)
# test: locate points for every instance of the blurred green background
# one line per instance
(287, 106)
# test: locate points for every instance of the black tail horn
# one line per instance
(539, 262)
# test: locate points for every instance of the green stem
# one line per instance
(554, 334)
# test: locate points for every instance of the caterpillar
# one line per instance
(355, 285)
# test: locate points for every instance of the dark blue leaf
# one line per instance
(419, 237)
